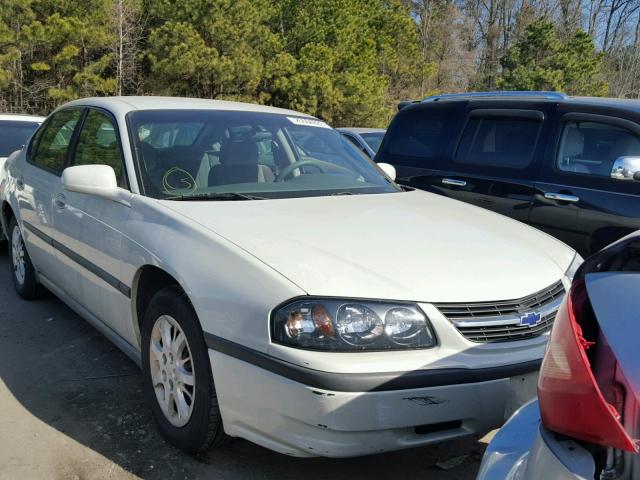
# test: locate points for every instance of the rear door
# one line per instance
(36, 186)
(491, 154)
(577, 200)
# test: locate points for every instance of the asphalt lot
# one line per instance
(71, 408)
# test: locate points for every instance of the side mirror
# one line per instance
(97, 180)
(390, 170)
(626, 168)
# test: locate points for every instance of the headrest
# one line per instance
(573, 142)
(243, 151)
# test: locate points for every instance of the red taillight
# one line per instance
(571, 402)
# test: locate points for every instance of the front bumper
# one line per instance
(524, 450)
(292, 417)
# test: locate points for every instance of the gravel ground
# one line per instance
(71, 408)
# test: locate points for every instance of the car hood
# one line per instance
(402, 246)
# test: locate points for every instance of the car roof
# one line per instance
(127, 104)
(21, 118)
(520, 96)
(361, 130)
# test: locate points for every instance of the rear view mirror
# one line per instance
(97, 180)
(626, 168)
(390, 170)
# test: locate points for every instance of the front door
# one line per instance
(578, 200)
(89, 229)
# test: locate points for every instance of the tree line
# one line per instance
(346, 61)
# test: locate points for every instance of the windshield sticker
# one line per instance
(308, 122)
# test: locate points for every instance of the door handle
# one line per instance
(454, 182)
(60, 202)
(20, 183)
(561, 197)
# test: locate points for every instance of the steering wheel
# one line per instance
(311, 162)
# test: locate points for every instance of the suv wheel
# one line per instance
(177, 374)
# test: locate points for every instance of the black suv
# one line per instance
(567, 165)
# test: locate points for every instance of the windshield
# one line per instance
(373, 139)
(14, 134)
(201, 153)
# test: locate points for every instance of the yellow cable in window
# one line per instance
(187, 180)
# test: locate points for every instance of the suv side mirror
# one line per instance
(626, 168)
(97, 180)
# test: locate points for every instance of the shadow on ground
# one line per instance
(67, 375)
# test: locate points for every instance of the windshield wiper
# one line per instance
(217, 196)
(342, 193)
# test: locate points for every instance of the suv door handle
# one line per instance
(20, 183)
(561, 197)
(454, 182)
(60, 202)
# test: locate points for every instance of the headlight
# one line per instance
(573, 268)
(351, 325)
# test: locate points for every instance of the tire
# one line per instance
(166, 369)
(22, 272)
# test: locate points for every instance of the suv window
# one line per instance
(419, 134)
(98, 144)
(591, 148)
(498, 142)
(53, 143)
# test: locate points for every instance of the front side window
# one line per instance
(14, 134)
(498, 142)
(98, 144)
(591, 148)
(53, 143)
(373, 139)
(262, 154)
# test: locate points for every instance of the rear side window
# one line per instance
(418, 134)
(53, 143)
(498, 142)
(590, 148)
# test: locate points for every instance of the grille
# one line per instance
(500, 321)
(507, 333)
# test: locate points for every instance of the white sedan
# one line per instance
(15, 130)
(273, 283)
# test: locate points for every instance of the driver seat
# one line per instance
(239, 164)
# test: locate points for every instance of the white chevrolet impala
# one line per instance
(273, 283)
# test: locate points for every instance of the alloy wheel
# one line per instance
(172, 371)
(17, 256)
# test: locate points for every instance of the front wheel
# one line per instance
(177, 374)
(22, 272)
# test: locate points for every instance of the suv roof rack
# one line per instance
(498, 94)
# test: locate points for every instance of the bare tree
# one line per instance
(128, 26)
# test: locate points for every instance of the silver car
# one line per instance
(586, 421)
(368, 140)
